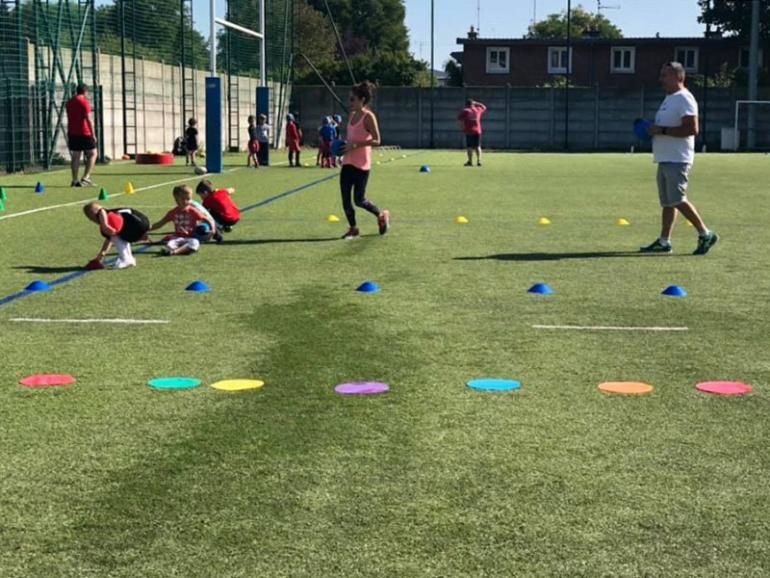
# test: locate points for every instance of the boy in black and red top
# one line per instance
(220, 204)
(81, 137)
(119, 227)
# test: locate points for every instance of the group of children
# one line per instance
(194, 223)
(328, 132)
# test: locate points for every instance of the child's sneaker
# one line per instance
(165, 250)
(121, 264)
(218, 237)
(383, 220)
(351, 234)
(86, 182)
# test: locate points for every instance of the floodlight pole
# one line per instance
(569, 70)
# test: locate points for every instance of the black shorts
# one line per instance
(135, 225)
(472, 141)
(191, 146)
(80, 143)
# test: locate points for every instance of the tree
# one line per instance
(555, 25)
(454, 72)
(733, 17)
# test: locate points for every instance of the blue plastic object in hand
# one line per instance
(640, 129)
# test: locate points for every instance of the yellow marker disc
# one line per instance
(544, 221)
(626, 388)
(238, 384)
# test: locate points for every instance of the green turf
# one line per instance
(109, 477)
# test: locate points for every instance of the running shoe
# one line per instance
(656, 247)
(705, 243)
(383, 220)
(86, 182)
(351, 234)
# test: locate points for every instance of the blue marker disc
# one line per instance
(488, 384)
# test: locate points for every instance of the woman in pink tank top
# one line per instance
(363, 133)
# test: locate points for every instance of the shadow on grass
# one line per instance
(556, 256)
(42, 269)
(227, 241)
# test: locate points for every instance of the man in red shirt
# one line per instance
(81, 136)
(470, 123)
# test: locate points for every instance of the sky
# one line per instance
(510, 19)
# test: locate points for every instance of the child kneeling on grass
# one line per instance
(220, 204)
(191, 226)
(119, 227)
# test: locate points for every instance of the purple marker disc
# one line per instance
(362, 388)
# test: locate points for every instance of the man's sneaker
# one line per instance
(86, 182)
(75, 184)
(705, 243)
(656, 247)
(468, 164)
(121, 264)
(383, 220)
(351, 234)
(478, 163)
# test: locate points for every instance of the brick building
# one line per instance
(624, 63)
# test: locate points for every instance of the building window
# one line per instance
(558, 61)
(744, 58)
(498, 60)
(687, 57)
(623, 59)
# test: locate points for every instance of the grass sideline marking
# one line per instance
(112, 196)
(122, 321)
(608, 328)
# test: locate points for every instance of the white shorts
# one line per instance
(179, 242)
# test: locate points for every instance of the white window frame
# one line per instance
(623, 49)
(695, 50)
(559, 69)
(497, 69)
(741, 50)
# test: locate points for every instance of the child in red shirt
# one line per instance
(119, 227)
(220, 204)
(293, 138)
(188, 222)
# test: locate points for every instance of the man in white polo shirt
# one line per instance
(673, 148)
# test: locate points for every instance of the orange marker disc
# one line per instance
(626, 388)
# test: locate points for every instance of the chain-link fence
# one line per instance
(145, 62)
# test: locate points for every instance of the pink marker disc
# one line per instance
(362, 388)
(47, 380)
(724, 387)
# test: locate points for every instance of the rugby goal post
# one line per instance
(214, 155)
(738, 103)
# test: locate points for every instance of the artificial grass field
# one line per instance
(108, 477)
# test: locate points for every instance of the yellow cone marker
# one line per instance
(623, 222)
(129, 188)
(544, 221)
(461, 220)
(333, 219)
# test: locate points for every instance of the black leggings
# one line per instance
(354, 180)
(294, 155)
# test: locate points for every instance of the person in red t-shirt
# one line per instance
(190, 225)
(119, 227)
(81, 136)
(293, 138)
(220, 204)
(470, 123)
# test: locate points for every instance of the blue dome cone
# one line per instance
(368, 287)
(424, 169)
(198, 286)
(540, 289)
(38, 286)
(39, 188)
(674, 291)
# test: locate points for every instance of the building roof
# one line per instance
(587, 41)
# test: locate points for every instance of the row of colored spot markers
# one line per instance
(376, 387)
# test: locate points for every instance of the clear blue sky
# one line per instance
(510, 18)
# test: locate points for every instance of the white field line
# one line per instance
(122, 321)
(112, 196)
(608, 328)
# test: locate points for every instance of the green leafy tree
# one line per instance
(454, 72)
(733, 17)
(555, 25)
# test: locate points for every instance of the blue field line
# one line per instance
(77, 274)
